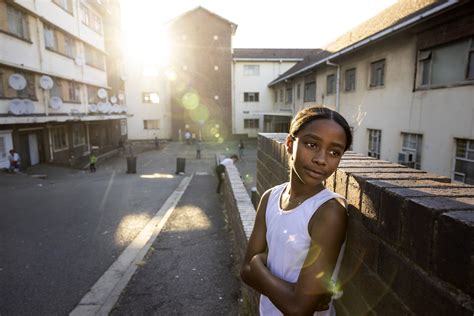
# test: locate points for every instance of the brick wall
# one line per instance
(410, 240)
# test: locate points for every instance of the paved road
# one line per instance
(59, 235)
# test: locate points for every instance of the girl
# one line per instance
(297, 243)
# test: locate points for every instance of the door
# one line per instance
(34, 152)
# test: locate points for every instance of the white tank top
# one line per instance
(288, 241)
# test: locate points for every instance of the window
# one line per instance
(377, 73)
(94, 57)
(91, 19)
(74, 91)
(151, 124)
(6, 91)
(251, 123)
(66, 90)
(65, 4)
(275, 95)
(289, 95)
(251, 70)
(298, 91)
(78, 135)
(60, 141)
(123, 127)
(411, 150)
(92, 94)
(330, 84)
(310, 91)
(251, 96)
(150, 97)
(3, 150)
(350, 80)
(447, 64)
(375, 136)
(464, 163)
(59, 41)
(15, 22)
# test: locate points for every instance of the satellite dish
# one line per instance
(113, 99)
(102, 107)
(116, 108)
(16, 106)
(79, 60)
(121, 97)
(124, 109)
(55, 103)
(28, 106)
(46, 82)
(17, 82)
(92, 108)
(102, 93)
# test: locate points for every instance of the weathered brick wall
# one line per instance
(410, 241)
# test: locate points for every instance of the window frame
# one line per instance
(146, 97)
(465, 158)
(289, 95)
(374, 78)
(68, 47)
(69, 10)
(417, 151)
(330, 84)
(150, 124)
(307, 87)
(350, 81)
(64, 138)
(247, 71)
(251, 97)
(25, 23)
(78, 139)
(251, 123)
(374, 147)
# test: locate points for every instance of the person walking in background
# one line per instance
(157, 143)
(198, 149)
(14, 159)
(241, 149)
(92, 161)
(297, 243)
(220, 170)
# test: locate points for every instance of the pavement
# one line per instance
(188, 265)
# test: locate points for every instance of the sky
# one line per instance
(261, 23)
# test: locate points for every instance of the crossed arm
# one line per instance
(311, 292)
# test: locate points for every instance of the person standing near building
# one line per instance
(241, 149)
(220, 170)
(14, 159)
(92, 162)
(198, 149)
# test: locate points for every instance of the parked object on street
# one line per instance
(132, 164)
(220, 170)
(180, 165)
(14, 159)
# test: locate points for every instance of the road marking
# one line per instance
(105, 292)
(106, 194)
(148, 162)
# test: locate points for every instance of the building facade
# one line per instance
(201, 58)
(404, 80)
(256, 107)
(55, 101)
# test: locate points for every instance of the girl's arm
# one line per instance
(328, 230)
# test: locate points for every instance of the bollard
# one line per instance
(180, 165)
(132, 164)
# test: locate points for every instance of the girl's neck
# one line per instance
(298, 189)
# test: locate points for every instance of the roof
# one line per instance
(271, 53)
(199, 8)
(395, 15)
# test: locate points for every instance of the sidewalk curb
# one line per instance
(105, 292)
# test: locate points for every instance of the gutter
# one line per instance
(266, 59)
(372, 38)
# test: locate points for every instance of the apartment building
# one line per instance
(256, 107)
(56, 104)
(404, 80)
(201, 57)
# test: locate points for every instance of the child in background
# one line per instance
(92, 161)
(298, 239)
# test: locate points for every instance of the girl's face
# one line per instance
(316, 151)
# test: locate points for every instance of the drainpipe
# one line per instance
(338, 81)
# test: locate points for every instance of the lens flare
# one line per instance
(171, 75)
(199, 114)
(213, 131)
(190, 100)
(220, 140)
(217, 135)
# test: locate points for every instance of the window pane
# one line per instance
(449, 63)
(425, 71)
(461, 148)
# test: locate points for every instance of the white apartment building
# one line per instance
(256, 107)
(55, 101)
(148, 94)
(404, 80)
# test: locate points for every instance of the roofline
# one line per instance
(377, 36)
(267, 59)
(232, 24)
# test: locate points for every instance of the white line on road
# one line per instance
(106, 194)
(148, 162)
(105, 292)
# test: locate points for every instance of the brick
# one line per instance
(453, 249)
(438, 191)
(354, 192)
(400, 176)
(390, 216)
(370, 205)
(329, 183)
(341, 182)
(352, 303)
(362, 243)
(419, 215)
(379, 170)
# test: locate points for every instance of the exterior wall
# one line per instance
(399, 257)
(201, 41)
(269, 70)
(439, 115)
(136, 84)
